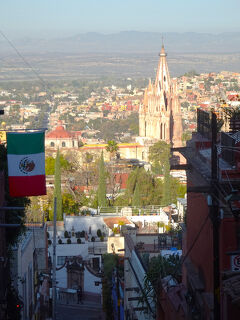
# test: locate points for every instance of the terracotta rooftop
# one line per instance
(110, 222)
(59, 132)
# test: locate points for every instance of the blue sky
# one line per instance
(69, 17)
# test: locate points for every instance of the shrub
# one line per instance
(66, 235)
(82, 233)
(116, 230)
(86, 213)
(69, 241)
(93, 239)
(99, 233)
(102, 238)
(78, 234)
(79, 240)
(49, 242)
(59, 241)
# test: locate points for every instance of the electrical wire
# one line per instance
(42, 81)
(220, 189)
(45, 84)
(14, 66)
(191, 247)
(229, 148)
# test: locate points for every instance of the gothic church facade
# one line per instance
(160, 114)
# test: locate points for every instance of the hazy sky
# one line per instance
(69, 17)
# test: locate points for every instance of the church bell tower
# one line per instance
(160, 114)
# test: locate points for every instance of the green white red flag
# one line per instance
(26, 163)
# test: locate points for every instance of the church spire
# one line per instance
(149, 85)
(162, 81)
(163, 53)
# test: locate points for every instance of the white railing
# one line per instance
(132, 210)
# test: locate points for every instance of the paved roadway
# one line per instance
(83, 311)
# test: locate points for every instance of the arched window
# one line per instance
(63, 144)
(52, 144)
(161, 133)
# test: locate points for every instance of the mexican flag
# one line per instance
(26, 163)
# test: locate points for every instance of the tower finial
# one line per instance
(162, 53)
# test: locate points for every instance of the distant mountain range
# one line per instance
(124, 54)
(130, 42)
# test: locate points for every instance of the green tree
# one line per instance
(57, 190)
(136, 196)
(50, 164)
(112, 148)
(121, 201)
(69, 204)
(158, 268)
(166, 198)
(187, 135)
(33, 212)
(178, 190)
(131, 182)
(150, 189)
(99, 233)
(109, 263)
(88, 157)
(159, 156)
(101, 192)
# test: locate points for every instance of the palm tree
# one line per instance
(112, 148)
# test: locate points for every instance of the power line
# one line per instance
(25, 61)
(191, 247)
(228, 147)
(13, 66)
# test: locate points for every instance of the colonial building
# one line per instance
(60, 137)
(160, 115)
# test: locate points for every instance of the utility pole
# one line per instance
(54, 261)
(214, 211)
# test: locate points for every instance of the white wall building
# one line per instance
(23, 273)
(72, 250)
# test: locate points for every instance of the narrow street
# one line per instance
(85, 311)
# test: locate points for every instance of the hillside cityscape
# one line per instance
(140, 218)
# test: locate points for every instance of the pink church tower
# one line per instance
(160, 115)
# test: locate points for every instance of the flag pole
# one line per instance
(54, 262)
